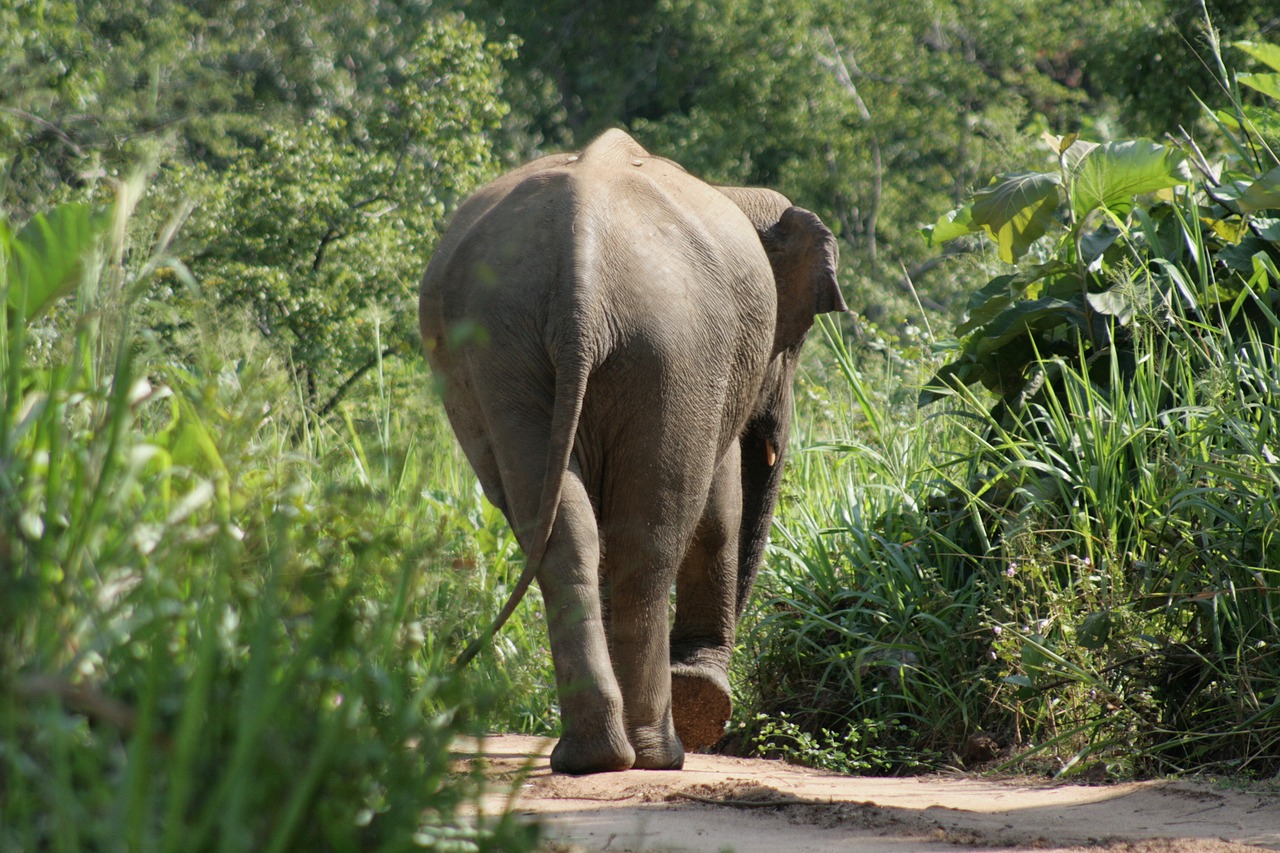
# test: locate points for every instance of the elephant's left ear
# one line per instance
(803, 253)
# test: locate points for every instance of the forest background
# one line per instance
(1031, 524)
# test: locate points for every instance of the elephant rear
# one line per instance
(615, 341)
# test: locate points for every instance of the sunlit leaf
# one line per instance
(1262, 194)
(1016, 209)
(1077, 151)
(1268, 54)
(1059, 144)
(1116, 302)
(1110, 175)
(1228, 230)
(956, 223)
(46, 259)
(1267, 84)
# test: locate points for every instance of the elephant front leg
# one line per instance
(705, 627)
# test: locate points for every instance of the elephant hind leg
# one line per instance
(703, 635)
(593, 735)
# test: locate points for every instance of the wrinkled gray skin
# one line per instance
(616, 341)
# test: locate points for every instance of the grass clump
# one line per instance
(210, 642)
(1075, 571)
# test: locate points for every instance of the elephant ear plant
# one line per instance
(616, 341)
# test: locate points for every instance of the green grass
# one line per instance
(228, 624)
(1096, 587)
(220, 632)
(1091, 579)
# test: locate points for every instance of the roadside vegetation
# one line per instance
(1032, 522)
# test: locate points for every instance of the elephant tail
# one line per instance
(571, 387)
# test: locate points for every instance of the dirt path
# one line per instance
(719, 803)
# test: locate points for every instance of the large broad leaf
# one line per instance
(1268, 54)
(1239, 258)
(1095, 244)
(1267, 84)
(949, 226)
(46, 259)
(1016, 209)
(1078, 150)
(1110, 175)
(1267, 229)
(1001, 292)
(1024, 318)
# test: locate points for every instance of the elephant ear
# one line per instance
(803, 253)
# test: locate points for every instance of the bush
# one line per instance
(210, 642)
(1083, 573)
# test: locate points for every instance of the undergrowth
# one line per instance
(1078, 569)
(216, 636)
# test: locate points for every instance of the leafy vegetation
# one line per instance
(210, 642)
(239, 546)
(1084, 574)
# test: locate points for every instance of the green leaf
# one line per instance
(999, 293)
(1117, 302)
(1267, 229)
(1078, 150)
(949, 226)
(1095, 244)
(1268, 54)
(1016, 210)
(46, 259)
(1239, 258)
(1110, 175)
(1023, 318)
(1094, 630)
(1036, 653)
(1262, 194)
(1267, 84)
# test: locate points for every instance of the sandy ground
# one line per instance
(718, 803)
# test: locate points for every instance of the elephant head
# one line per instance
(803, 254)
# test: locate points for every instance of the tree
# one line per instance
(323, 143)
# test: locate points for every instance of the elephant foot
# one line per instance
(700, 704)
(579, 756)
(657, 750)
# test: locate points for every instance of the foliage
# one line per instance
(239, 543)
(207, 644)
(320, 185)
(853, 751)
(1083, 578)
(1148, 56)
(1116, 258)
(1079, 297)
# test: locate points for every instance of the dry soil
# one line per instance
(718, 803)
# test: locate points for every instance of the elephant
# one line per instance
(614, 341)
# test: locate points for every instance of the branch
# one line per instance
(353, 379)
(47, 125)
